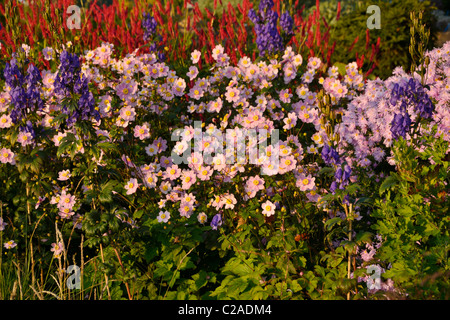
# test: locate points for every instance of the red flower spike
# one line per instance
(367, 39)
(353, 44)
(338, 15)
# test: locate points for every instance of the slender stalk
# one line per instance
(348, 212)
(82, 267)
(1, 245)
(349, 255)
(130, 297)
(33, 280)
(106, 277)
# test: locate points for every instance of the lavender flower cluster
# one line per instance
(412, 92)
(149, 25)
(25, 96)
(268, 39)
(69, 79)
(287, 23)
(341, 175)
(374, 120)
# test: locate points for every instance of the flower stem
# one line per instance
(348, 212)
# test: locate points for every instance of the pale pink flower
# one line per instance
(188, 178)
(254, 184)
(305, 183)
(161, 144)
(188, 198)
(285, 96)
(57, 138)
(10, 244)
(185, 209)
(268, 208)
(219, 162)
(150, 180)
(64, 175)
(244, 62)
(48, 53)
(290, 121)
(305, 116)
(196, 93)
(192, 73)
(230, 200)
(6, 156)
(204, 172)
(314, 63)
(66, 200)
(127, 113)
(302, 91)
(217, 202)
(172, 172)
(5, 121)
(66, 213)
(194, 160)
(142, 132)
(131, 186)
(232, 94)
(2, 224)
(57, 249)
(151, 149)
(214, 105)
(312, 195)
(178, 87)
(165, 162)
(25, 138)
(218, 49)
(195, 56)
(287, 164)
(202, 217)
(165, 187)
(163, 216)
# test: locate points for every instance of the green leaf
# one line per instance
(138, 214)
(341, 68)
(327, 171)
(200, 279)
(65, 144)
(105, 195)
(363, 237)
(331, 222)
(389, 182)
(106, 146)
(363, 201)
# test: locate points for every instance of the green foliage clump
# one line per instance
(394, 33)
(413, 219)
